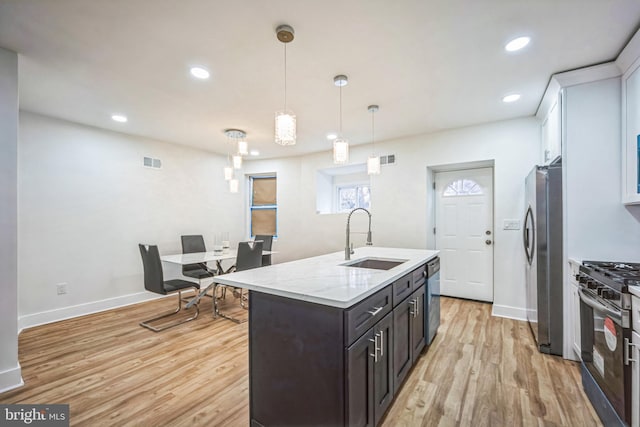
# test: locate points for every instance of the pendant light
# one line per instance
(285, 133)
(373, 162)
(340, 144)
(228, 171)
(241, 145)
(233, 185)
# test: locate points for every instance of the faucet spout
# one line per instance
(347, 249)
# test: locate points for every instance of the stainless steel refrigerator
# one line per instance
(542, 236)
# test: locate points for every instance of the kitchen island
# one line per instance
(330, 343)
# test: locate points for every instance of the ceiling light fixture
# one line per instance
(254, 153)
(517, 44)
(373, 162)
(235, 161)
(340, 144)
(285, 133)
(331, 136)
(511, 98)
(199, 73)
(119, 118)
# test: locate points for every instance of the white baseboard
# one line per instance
(516, 313)
(10, 379)
(44, 317)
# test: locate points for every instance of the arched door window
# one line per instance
(462, 187)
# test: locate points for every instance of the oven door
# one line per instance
(603, 345)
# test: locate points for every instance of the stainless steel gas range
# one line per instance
(609, 355)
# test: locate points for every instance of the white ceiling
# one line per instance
(429, 64)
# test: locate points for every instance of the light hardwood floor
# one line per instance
(480, 370)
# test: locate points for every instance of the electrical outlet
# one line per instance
(511, 224)
(61, 288)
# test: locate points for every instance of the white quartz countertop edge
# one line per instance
(323, 280)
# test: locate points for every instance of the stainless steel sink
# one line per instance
(375, 263)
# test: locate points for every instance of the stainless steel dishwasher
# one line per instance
(432, 296)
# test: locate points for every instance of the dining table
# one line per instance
(203, 257)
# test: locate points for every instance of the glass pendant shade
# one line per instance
(243, 148)
(237, 161)
(340, 151)
(228, 173)
(285, 128)
(233, 185)
(373, 165)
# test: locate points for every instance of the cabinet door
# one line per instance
(635, 382)
(631, 132)
(402, 320)
(551, 134)
(359, 376)
(383, 367)
(575, 313)
(418, 311)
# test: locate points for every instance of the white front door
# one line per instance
(464, 232)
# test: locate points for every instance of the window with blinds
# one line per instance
(264, 207)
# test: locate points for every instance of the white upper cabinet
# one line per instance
(551, 133)
(631, 134)
(629, 64)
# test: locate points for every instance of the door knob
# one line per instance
(488, 242)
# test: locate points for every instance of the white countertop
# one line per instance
(635, 290)
(323, 280)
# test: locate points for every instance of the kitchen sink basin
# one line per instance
(375, 263)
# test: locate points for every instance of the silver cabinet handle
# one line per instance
(627, 346)
(381, 343)
(375, 311)
(375, 348)
(415, 305)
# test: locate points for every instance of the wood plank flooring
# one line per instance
(480, 370)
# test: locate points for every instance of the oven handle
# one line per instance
(616, 316)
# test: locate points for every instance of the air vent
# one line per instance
(152, 163)
(388, 159)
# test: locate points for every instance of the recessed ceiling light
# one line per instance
(254, 153)
(511, 98)
(331, 136)
(517, 44)
(119, 118)
(199, 73)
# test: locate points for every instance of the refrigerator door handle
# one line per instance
(529, 241)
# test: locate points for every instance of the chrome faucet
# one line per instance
(348, 249)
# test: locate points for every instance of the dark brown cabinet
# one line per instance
(370, 378)
(408, 332)
(311, 364)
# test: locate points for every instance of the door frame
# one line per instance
(431, 201)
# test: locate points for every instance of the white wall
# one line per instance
(599, 226)
(400, 201)
(10, 373)
(86, 201)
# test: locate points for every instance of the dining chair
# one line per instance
(249, 256)
(266, 246)
(193, 244)
(154, 282)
